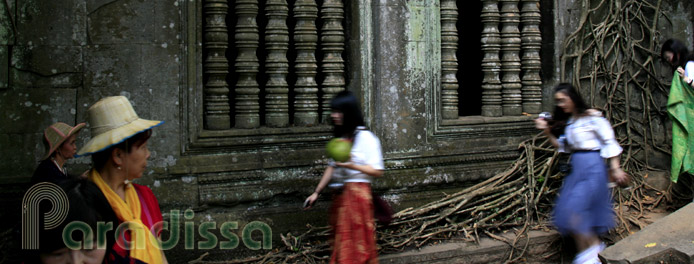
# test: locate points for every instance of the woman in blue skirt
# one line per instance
(583, 209)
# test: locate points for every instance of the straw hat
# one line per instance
(56, 134)
(112, 120)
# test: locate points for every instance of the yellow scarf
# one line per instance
(141, 248)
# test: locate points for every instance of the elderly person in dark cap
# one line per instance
(59, 140)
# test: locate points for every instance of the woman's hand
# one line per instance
(349, 164)
(685, 79)
(541, 123)
(617, 175)
(310, 200)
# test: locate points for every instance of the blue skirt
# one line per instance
(584, 205)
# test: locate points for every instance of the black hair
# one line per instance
(86, 204)
(680, 53)
(100, 158)
(560, 118)
(346, 103)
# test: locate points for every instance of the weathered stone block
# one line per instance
(32, 110)
(114, 66)
(47, 66)
(419, 23)
(4, 67)
(121, 21)
(389, 3)
(60, 22)
(418, 65)
(18, 165)
(7, 33)
(176, 193)
(161, 65)
(93, 5)
(152, 103)
(391, 25)
(410, 135)
(167, 22)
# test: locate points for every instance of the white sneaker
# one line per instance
(588, 256)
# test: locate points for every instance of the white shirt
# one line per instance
(689, 69)
(366, 150)
(590, 133)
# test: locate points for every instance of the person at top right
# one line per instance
(678, 56)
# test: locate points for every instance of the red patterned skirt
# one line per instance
(354, 230)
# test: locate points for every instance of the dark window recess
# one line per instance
(470, 56)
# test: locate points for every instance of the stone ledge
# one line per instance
(487, 251)
(667, 240)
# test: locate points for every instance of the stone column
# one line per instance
(305, 39)
(510, 58)
(491, 64)
(276, 63)
(247, 41)
(216, 66)
(332, 43)
(449, 61)
(531, 42)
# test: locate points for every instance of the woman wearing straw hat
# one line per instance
(119, 155)
(59, 140)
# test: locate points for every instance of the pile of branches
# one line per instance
(612, 58)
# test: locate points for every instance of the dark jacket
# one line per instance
(47, 171)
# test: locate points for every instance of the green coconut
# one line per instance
(339, 149)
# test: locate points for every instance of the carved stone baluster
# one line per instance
(216, 66)
(510, 58)
(277, 44)
(449, 61)
(247, 41)
(306, 38)
(332, 44)
(491, 65)
(531, 42)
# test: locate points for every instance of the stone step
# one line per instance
(667, 240)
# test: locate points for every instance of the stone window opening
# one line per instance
(499, 76)
(273, 64)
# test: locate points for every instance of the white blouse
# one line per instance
(366, 150)
(689, 69)
(590, 133)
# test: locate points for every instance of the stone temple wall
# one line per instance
(59, 57)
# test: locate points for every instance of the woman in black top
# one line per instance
(59, 140)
